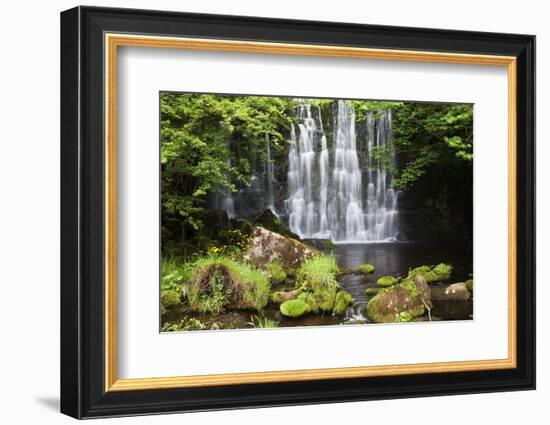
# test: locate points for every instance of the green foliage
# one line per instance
(276, 272)
(170, 298)
(294, 308)
(318, 272)
(260, 321)
(219, 282)
(366, 268)
(195, 133)
(185, 324)
(386, 281)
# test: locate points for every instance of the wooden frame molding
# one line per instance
(111, 43)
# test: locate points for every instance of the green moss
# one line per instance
(341, 302)
(403, 317)
(366, 268)
(443, 271)
(390, 302)
(276, 272)
(372, 291)
(421, 269)
(294, 308)
(386, 281)
(470, 285)
(328, 245)
(438, 273)
(219, 282)
(170, 298)
(317, 273)
(410, 286)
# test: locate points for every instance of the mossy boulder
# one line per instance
(341, 302)
(279, 297)
(403, 317)
(372, 291)
(276, 272)
(270, 221)
(439, 273)
(170, 298)
(317, 284)
(219, 283)
(265, 247)
(294, 308)
(453, 292)
(366, 269)
(411, 296)
(470, 285)
(386, 281)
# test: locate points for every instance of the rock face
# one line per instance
(408, 298)
(266, 246)
(455, 291)
(270, 221)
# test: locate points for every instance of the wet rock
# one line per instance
(408, 298)
(266, 246)
(439, 273)
(270, 221)
(279, 297)
(456, 291)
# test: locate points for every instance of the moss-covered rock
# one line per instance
(366, 269)
(276, 272)
(317, 284)
(279, 297)
(470, 285)
(439, 273)
(372, 291)
(266, 246)
(294, 308)
(170, 298)
(386, 281)
(271, 222)
(410, 296)
(341, 302)
(220, 283)
(403, 317)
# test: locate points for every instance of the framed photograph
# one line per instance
(261, 212)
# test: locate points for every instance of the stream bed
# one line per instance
(395, 258)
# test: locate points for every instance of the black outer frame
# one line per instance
(82, 212)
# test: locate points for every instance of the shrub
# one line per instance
(170, 298)
(294, 308)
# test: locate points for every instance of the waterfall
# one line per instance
(227, 202)
(327, 203)
(270, 178)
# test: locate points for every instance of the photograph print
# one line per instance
(282, 212)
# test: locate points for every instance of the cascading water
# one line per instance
(270, 177)
(325, 204)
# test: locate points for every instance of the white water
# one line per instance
(332, 203)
